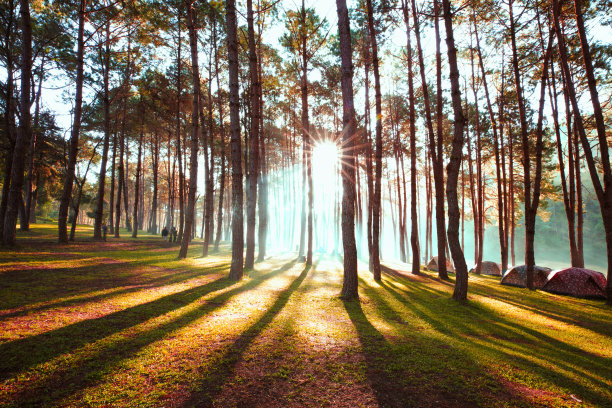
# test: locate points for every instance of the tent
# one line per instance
(578, 282)
(488, 268)
(432, 265)
(517, 276)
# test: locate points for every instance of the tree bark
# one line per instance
(368, 153)
(263, 181)
(76, 127)
(195, 128)
(222, 154)
(155, 160)
(138, 171)
(236, 269)
(438, 166)
(249, 259)
(112, 186)
(606, 191)
(376, 207)
(25, 222)
(9, 120)
(349, 133)
(99, 215)
(496, 138)
(569, 205)
(414, 236)
(452, 170)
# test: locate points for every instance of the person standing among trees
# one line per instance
(164, 233)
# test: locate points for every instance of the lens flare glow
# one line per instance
(325, 158)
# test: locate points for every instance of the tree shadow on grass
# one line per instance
(46, 299)
(48, 284)
(481, 330)
(376, 349)
(562, 309)
(20, 355)
(413, 370)
(226, 364)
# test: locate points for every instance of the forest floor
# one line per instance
(125, 324)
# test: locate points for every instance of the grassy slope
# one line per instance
(124, 323)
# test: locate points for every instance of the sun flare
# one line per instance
(325, 157)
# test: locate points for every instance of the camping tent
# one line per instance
(517, 276)
(432, 265)
(577, 282)
(488, 268)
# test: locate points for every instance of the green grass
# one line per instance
(126, 324)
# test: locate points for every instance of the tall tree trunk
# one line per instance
(25, 223)
(253, 141)
(9, 121)
(368, 153)
(177, 132)
(376, 207)
(195, 128)
(496, 139)
(236, 269)
(349, 285)
(438, 156)
(25, 129)
(207, 140)
(126, 180)
(74, 137)
(414, 236)
(579, 204)
(511, 192)
(605, 195)
(121, 179)
(112, 187)
(99, 215)
(138, 175)
(568, 205)
(120, 172)
(531, 197)
(436, 161)
(452, 169)
(222, 155)
(263, 181)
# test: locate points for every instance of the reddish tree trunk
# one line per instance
(349, 286)
(452, 170)
(376, 207)
(236, 269)
(74, 137)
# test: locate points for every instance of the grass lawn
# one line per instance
(125, 324)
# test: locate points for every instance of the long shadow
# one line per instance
(517, 339)
(50, 284)
(20, 355)
(376, 349)
(42, 284)
(416, 370)
(93, 368)
(227, 362)
(125, 286)
(556, 310)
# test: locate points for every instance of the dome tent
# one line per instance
(488, 268)
(578, 282)
(517, 276)
(432, 265)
